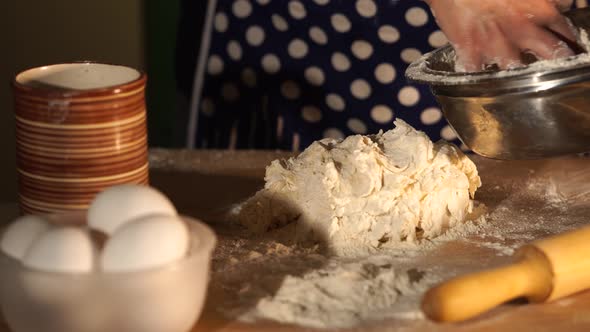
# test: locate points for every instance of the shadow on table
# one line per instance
(204, 196)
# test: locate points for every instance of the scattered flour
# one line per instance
(499, 247)
(339, 295)
(308, 287)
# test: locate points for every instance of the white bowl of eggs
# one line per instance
(130, 263)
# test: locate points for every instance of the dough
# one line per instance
(371, 191)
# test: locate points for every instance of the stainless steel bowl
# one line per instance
(538, 111)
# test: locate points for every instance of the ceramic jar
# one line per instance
(80, 127)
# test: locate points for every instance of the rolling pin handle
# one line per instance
(467, 296)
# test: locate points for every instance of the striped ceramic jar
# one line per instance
(80, 128)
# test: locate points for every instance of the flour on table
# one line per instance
(366, 191)
(304, 286)
(341, 294)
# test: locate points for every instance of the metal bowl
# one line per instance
(541, 110)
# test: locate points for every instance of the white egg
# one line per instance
(62, 249)
(19, 235)
(120, 204)
(145, 243)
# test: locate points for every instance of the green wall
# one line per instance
(161, 26)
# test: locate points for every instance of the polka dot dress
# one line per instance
(284, 73)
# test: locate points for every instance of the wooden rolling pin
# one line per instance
(543, 271)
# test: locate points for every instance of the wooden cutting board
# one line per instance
(205, 183)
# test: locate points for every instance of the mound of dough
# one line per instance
(366, 190)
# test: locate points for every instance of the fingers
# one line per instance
(563, 27)
(562, 5)
(462, 33)
(468, 59)
(498, 49)
(469, 55)
(547, 16)
(537, 40)
(566, 31)
(487, 45)
(554, 21)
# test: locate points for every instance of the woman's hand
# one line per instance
(498, 31)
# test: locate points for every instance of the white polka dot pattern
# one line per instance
(361, 49)
(220, 22)
(297, 49)
(360, 89)
(385, 73)
(242, 8)
(215, 65)
(255, 35)
(271, 63)
(410, 55)
(448, 133)
(314, 75)
(279, 22)
(333, 133)
(431, 115)
(416, 17)
(340, 23)
(356, 126)
(234, 50)
(311, 114)
(340, 62)
(366, 8)
(318, 35)
(408, 96)
(382, 114)
(335, 102)
(388, 34)
(297, 10)
(437, 39)
(322, 2)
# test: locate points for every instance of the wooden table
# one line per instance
(198, 182)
